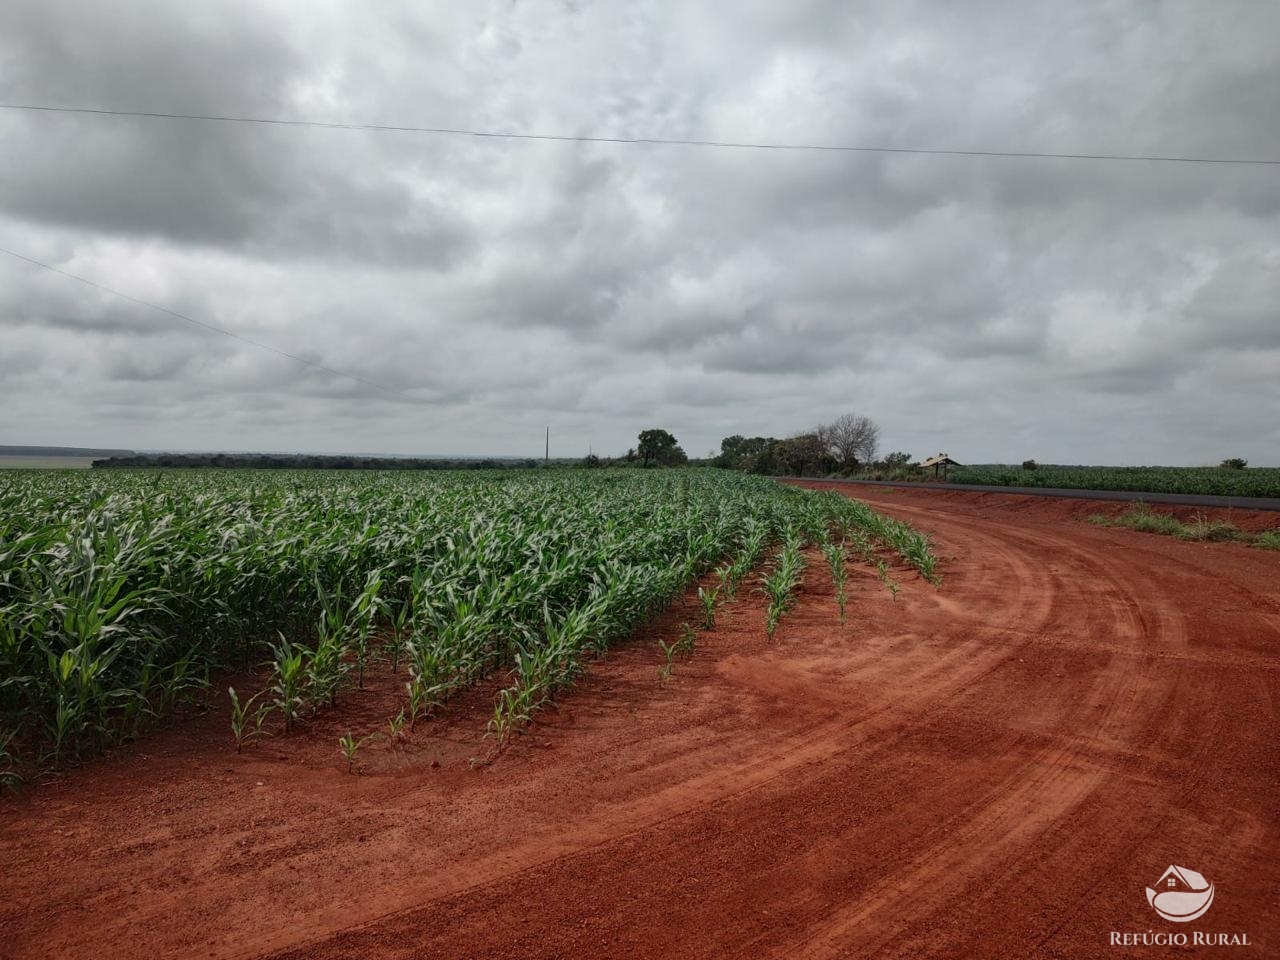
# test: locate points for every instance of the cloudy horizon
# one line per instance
(482, 289)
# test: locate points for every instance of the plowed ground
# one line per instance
(996, 768)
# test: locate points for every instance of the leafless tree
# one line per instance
(853, 439)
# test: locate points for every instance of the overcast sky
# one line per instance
(998, 309)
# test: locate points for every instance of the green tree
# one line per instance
(744, 453)
(803, 455)
(731, 451)
(659, 448)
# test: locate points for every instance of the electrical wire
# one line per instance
(655, 141)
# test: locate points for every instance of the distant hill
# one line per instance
(46, 452)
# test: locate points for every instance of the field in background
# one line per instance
(1215, 481)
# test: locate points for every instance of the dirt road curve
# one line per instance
(995, 769)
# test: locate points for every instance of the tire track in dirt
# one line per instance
(1049, 783)
(1135, 705)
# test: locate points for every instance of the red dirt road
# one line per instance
(993, 769)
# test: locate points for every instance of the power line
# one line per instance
(656, 141)
(400, 395)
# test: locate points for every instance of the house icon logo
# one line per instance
(1180, 895)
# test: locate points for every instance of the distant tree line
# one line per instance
(273, 461)
(844, 446)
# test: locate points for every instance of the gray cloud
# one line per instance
(998, 308)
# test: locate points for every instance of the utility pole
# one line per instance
(546, 457)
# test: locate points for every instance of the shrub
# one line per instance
(1234, 463)
(1202, 528)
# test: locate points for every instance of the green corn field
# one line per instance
(124, 596)
(1216, 481)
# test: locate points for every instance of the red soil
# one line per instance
(995, 768)
(1008, 505)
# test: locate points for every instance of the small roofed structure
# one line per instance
(940, 464)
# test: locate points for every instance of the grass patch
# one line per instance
(1268, 541)
(1202, 529)
(1142, 517)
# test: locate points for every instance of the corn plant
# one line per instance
(919, 553)
(688, 640)
(510, 710)
(780, 584)
(399, 620)
(351, 747)
(708, 600)
(289, 662)
(325, 667)
(395, 727)
(727, 587)
(836, 559)
(882, 571)
(363, 613)
(246, 723)
(669, 651)
(416, 699)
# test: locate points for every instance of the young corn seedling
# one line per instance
(669, 650)
(688, 640)
(351, 746)
(325, 667)
(919, 553)
(780, 585)
(509, 712)
(836, 557)
(246, 723)
(290, 663)
(708, 600)
(882, 571)
(724, 573)
(395, 726)
(416, 692)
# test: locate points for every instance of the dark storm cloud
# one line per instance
(1001, 308)
(265, 190)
